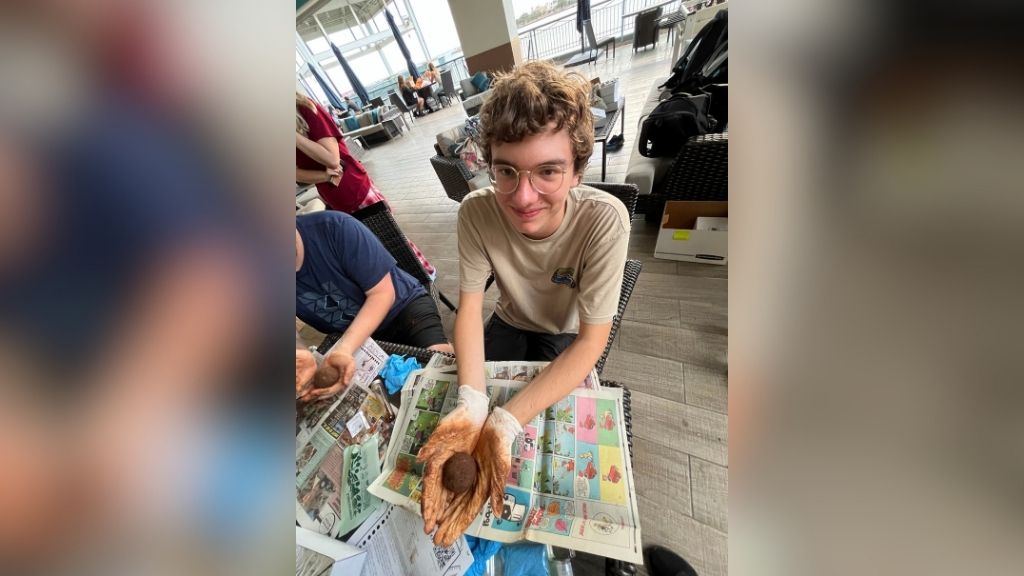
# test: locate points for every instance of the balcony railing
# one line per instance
(556, 35)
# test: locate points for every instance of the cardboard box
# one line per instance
(678, 238)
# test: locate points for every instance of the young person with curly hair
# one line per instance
(556, 249)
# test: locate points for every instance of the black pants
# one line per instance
(503, 342)
(418, 324)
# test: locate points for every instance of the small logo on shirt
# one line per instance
(564, 276)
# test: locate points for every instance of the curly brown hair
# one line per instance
(526, 100)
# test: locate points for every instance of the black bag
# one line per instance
(706, 59)
(667, 127)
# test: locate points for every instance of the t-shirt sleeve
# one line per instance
(320, 126)
(474, 266)
(601, 280)
(361, 256)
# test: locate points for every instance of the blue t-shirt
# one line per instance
(342, 259)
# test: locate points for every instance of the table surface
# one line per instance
(602, 134)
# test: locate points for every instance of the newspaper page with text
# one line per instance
(340, 444)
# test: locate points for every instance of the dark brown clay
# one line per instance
(459, 474)
(325, 377)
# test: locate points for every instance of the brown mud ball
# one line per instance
(325, 377)
(459, 474)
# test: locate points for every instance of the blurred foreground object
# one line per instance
(135, 216)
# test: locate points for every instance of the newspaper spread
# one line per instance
(340, 443)
(571, 481)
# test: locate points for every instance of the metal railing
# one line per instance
(551, 38)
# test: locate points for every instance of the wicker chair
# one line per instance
(627, 193)
(454, 176)
(699, 172)
(379, 220)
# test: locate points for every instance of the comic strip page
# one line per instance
(570, 482)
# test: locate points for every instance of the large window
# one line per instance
(437, 27)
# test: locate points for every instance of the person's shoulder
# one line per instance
(480, 201)
(326, 221)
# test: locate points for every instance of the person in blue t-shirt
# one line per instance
(346, 281)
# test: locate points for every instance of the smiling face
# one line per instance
(533, 214)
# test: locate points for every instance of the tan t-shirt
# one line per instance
(547, 285)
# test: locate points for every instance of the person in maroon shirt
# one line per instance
(322, 158)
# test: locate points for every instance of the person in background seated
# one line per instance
(346, 281)
(408, 91)
(557, 250)
(322, 158)
(352, 106)
(432, 73)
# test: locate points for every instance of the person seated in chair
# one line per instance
(346, 281)
(352, 106)
(408, 92)
(557, 251)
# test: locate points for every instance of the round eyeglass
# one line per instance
(545, 179)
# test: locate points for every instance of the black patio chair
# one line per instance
(645, 28)
(699, 172)
(448, 92)
(454, 176)
(397, 102)
(379, 220)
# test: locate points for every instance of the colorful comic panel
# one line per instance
(525, 445)
(407, 463)
(607, 423)
(586, 420)
(405, 483)
(432, 396)
(521, 473)
(419, 431)
(559, 438)
(613, 485)
(587, 484)
(515, 506)
(555, 476)
(561, 411)
(553, 515)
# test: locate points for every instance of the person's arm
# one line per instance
(324, 150)
(379, 300)
(315, 176)
(566, 372)
(469, 339)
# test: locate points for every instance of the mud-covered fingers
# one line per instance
(432, 499)
(497, 483)
(459, 516)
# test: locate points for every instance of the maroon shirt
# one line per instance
(355, 182)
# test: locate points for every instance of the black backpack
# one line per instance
(667, 127)
(706, 59)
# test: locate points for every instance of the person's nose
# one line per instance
(525, 194)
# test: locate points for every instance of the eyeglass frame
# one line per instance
(519, 174)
